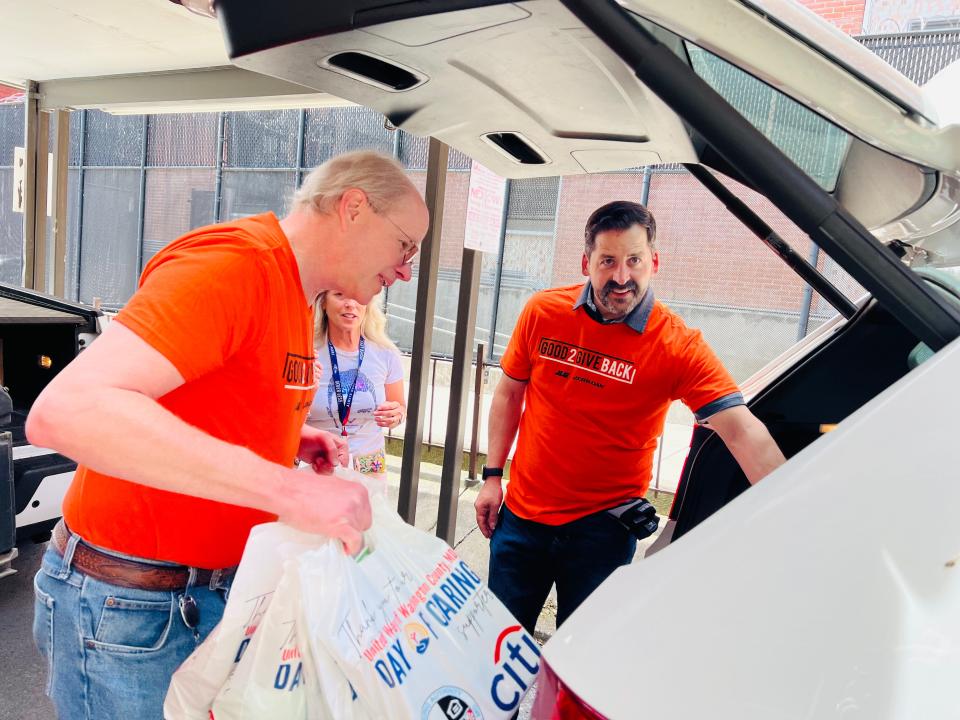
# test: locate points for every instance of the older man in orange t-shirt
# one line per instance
(186, 416)
(588, 376)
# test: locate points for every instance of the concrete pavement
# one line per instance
(23, 673)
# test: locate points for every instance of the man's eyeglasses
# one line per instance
(407, 244)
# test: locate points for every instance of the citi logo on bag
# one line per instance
(515, 659)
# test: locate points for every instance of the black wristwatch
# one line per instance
(489, 472)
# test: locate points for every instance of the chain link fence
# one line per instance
(918, 55)
(11, 223)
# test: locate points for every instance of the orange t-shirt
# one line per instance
(225, 305)
(596, 400)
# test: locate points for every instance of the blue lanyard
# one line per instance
(343, 406)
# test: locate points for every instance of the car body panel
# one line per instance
(821, 593)
(618, 124)
(470, 58)
(534, 70)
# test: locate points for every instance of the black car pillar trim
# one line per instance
(813, 277)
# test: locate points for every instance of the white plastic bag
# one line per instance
(198, 680)
(414, 629)
(277, 677)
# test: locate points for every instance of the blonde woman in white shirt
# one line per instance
(361, 378)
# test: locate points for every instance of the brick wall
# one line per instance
(897, 16)
(454, 215)
(844, 14)
(706, 255)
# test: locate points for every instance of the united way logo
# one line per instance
(417, 637)
(451, 703)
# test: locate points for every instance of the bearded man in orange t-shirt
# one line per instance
(186, 417)
(588, 376)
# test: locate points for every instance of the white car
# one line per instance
(832, 589)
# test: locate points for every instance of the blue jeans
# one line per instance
(111, 650)
(527, 558)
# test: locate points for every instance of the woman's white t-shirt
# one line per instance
(381, 366)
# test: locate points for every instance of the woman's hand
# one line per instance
(322, 450)
(389, 414)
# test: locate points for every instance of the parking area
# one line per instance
(22, 671)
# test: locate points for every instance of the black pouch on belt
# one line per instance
(638, 516)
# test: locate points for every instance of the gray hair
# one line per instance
(379, 176)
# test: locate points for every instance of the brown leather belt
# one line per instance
(131, 573)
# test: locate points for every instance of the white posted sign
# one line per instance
(485, 200)
(19, 173)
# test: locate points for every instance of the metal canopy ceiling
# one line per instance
(131, 56)
(56, 39)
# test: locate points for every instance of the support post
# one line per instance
(218, 168)
(40, 203)
(30, 121)
(459, 384)
(61, 161)
(423, 331)
(142, 197)
(477, 400)
(301, 147)
(645, 186)
(498, 277)
(81, 178)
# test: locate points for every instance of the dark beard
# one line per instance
(611, 287)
